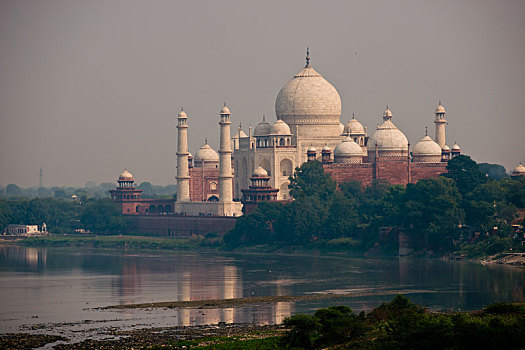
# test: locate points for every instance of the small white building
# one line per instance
(26, 229)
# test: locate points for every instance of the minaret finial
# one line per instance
(307, 57)
(353, 115)
(386, 106)
(205, 140)
(264, 118)
(426, 131)
(439, 102)
(224, 104)
(181, 108)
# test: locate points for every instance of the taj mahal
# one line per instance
(254, 165)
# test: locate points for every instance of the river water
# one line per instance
(57, 289)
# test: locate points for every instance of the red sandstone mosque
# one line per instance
(308, 127)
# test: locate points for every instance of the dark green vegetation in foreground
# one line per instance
(100, 216)
(454, 212)
(399, 324)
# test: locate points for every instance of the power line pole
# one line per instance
(41, 179)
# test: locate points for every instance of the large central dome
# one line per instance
(308, 99)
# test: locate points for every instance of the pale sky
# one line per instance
(88, 88)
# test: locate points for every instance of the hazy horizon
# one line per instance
(89, 88)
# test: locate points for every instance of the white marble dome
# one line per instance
(354, 127)
(225, 110)
(519, 170)
(308, 99)
(427, 151)
(280, 128)
(446, 148)
(182, 114)
(348, 148)
(388, 139)
(125, 175)
(262, 129)
(440, 109)
(206, 154)
(455, 147)
(260, 172)
(348, 152)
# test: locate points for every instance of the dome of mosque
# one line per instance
(262, 129)
(126, 175)
(519, 170)
(206, 154)
(354, 127)
(387, 136)
(326, 148)
(280, 128)
(455, 147)
(225, 110)
(446, 148)
(260, 172)
(426, 147)
(182, 114)
(440, 109)
(348, 148)
(308, 98)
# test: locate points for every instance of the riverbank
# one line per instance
(338, 248)
(221, 336)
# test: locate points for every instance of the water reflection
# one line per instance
(65, 284)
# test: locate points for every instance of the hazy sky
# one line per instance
(88, 88)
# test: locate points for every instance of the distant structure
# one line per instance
(253, 167)
(41, 178)
(519, 170)
(130, 200)
(26, 230)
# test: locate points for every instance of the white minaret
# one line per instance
(440, 125)
(183, 174)
(225, 160)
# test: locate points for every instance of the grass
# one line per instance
(121, 241)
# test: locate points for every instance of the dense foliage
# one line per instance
(400, 324)
(64, 215)
(461, 210)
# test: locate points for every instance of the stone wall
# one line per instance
(419, 171)
(348, 172)
(181, 226)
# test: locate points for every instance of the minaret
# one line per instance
(440, 125)
(183, 177)
(225, 160)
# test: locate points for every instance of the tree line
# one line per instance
(461, 209)
(64, 215)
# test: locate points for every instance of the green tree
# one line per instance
(103, 216)
(310, 180)
(493, 171)
(303, 331)
(465, 172)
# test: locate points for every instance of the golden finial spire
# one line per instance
(426, 131)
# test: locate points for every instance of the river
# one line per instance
(59, 289)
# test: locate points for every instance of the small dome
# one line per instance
(446, 148)
(260, 172)
(388, 138)
(182, 114)
(125, 175)
(280, 128)
(262, 129)
(225, 110)
(440, 109)
(426, 147)
(190, 155)
(354, 127)
(456, 147)
(348, 148)
(387, 113)
(519, 170)
(311, 149)
(326, 148)
(206, 154)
